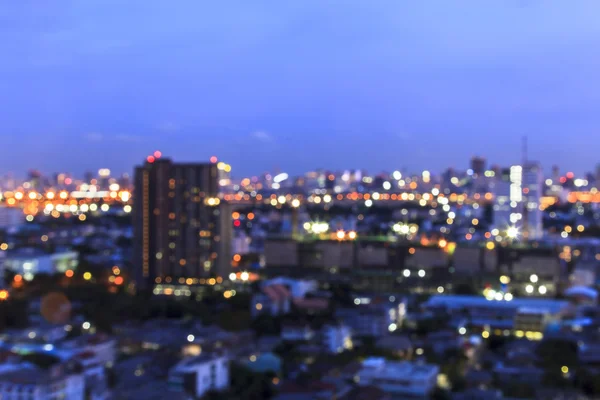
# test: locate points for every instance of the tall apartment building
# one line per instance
(478, 165)
(181, 228)
(508, 194)
(518, 191)
(532, 193)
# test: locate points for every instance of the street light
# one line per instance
(402, 229)
(512, 232)
(529, 288)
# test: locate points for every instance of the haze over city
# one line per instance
(298, 85)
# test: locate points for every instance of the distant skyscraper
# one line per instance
(518, 191)
(478, 165)
(34, 178)
(532, 193)
(508, 210)
(555, 175)
(87, 177)
(124, 181)
(181, 228)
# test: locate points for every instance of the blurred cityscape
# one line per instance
(186, 281)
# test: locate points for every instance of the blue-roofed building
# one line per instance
(501, 315)
(454, 302)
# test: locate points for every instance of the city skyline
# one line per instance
(463, 168)
(373, 89)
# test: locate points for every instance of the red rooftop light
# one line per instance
(213, 159)
(150, 159)
(157, 154)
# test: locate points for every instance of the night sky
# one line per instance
(298, 84)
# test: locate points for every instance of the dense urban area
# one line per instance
(184, 281)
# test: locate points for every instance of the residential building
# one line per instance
(531, 319)
(200, 375)
(494, 314)
(371, 320)
(181, 228)
(295, 332)
(532, 193)
(28, 262)
(478, 165)
(101, 346)
(336, 338)
(22, 381)
(11, 217)
(273, 300)
(401, 378)
(508, 195)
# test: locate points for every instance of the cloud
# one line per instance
(262, 136)
(94, 137)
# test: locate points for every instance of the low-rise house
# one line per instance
(102, 346)
(296, 332)
(200, 375)
(270, 302)
(29, 262)
(401, 378)
(366, 320)
(22, 380)
(336, 338)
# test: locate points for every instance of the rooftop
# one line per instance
(188, 363)
(457, 301)
(397, 369)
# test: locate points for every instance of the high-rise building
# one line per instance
(478, 166)
(508, 210)
(532, 193)
(182, 230)
(555, 174)
(518, 191)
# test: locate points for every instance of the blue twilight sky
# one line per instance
(298, 84)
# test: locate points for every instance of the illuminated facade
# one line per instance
(532, 194)
(508, 195)
(181, 228)
(518, 193)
